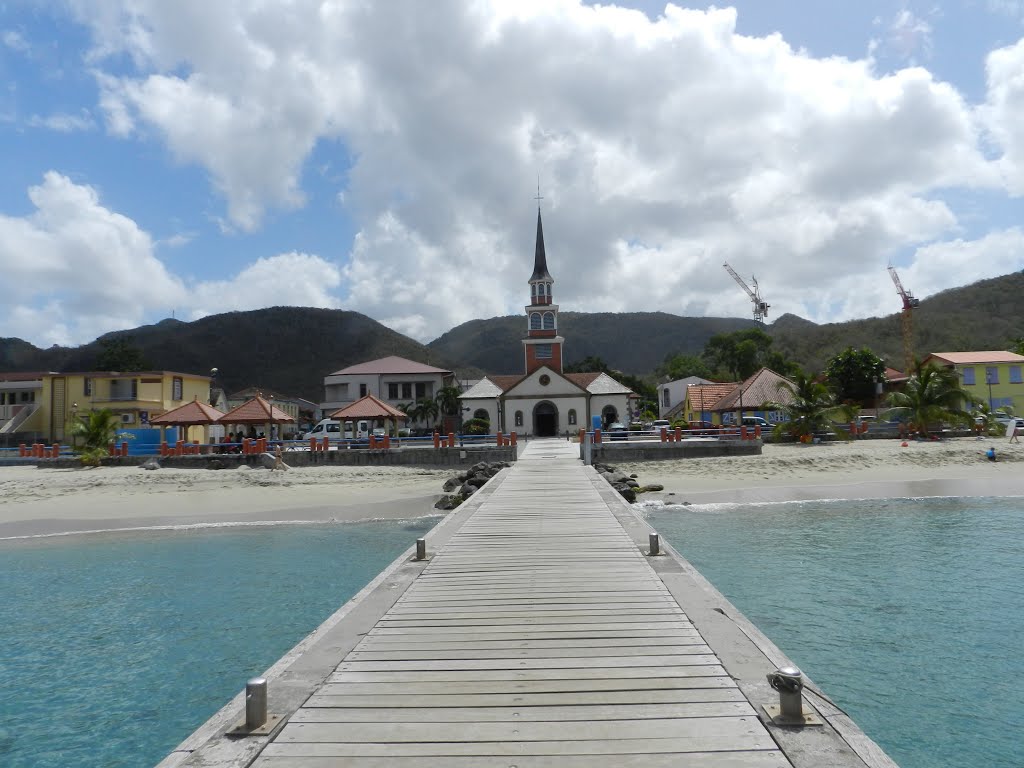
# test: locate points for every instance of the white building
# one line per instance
(544, 401)
(671, 395)
(391, 379)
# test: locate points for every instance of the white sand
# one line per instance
(41, 501)
(841, 470)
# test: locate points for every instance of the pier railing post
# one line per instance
(255, 702)
(655, 543)
(421, 549)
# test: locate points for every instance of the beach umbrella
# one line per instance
(188, 415)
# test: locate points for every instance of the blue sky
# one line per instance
(193, 158)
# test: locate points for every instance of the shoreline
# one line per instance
(37, 503)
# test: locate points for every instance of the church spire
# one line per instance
(540, 259)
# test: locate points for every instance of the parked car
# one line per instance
(756, 421)
(617, 431)
(660, 424)
(701, 428)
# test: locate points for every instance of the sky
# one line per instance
(384, 156)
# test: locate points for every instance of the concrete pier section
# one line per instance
(539, 631)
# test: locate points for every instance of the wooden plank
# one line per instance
(703, 677)
(703, 759)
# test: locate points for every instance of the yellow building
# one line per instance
(995, 377)
(58, 398)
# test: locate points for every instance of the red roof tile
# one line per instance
(368, 407)
(189, 413)
(703, 397)
(763, 387)
(255, 411)
(975, 358)
(389, 365)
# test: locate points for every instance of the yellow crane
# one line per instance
(907, 321)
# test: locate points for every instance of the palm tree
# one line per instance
(428, 409)
(810, 408)
(98, 429)
(411, 410)
(931, 395)
(987, 419)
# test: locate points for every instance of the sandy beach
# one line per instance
(864, 469)
(48, 501)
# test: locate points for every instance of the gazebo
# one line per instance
(370, 408)
(256, 411)
(192, 414)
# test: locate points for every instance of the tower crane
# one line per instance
(760, 307)
(907, 321)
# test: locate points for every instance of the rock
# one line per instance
(476, 481)
(446, 503)
(451, 484)
(626, 492)
(654, 487)
(632, 483)
(467, 490)
(150, 464)
(215, 464)
(634, 476)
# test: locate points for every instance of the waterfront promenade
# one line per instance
(541, 634)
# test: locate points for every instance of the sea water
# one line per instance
(908, 613)
(115, 647)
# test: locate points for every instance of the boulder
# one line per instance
(452, 483)
(467, 490)
(150, 464)
(446, 503)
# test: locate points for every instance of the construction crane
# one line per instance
(760, 307)
(909, 304)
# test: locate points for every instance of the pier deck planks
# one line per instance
(537, 637)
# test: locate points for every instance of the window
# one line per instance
(176, 388)
(1015, 377)
(407, 390)
(665, 397)
(362, 390)
(421, 390)
(393, 390)
(549, 321)
(533, 289)
(535, 321)
(543, 351)
(991, 374)
(540, 289)
(135, 389)
(519, 418)
(88, 386)
(481, 413)
(969, 376)
(572, 416)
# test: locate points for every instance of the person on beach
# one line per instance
(279, 459)
(1012, 431)
(990, 454)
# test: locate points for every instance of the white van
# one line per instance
(332, 430)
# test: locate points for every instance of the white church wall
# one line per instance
(562, 404)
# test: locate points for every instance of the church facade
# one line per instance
(545, 401)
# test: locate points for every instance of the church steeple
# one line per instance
(542, 345)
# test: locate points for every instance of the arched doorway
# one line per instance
(545, 420)
(608, 416)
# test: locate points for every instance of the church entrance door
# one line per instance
(545, 420)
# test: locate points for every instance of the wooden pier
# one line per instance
(542, 634)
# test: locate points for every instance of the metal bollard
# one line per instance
(788, 681)
(421, 549)
(255, 702)
(655, 544)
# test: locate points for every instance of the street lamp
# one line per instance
(988, 380)
(213, 384)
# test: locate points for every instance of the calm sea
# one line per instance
(908, 613)
(115, 647)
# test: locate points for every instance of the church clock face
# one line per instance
(544, 379)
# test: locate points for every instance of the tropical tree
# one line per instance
(810, 407)
(97, 429)
(931, 395)
(448, 400)
(427, 410)
(740, 354)
(987, 419)
(853, 375)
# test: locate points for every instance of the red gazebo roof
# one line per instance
(368, 407)
(189, 413)
(255, 411)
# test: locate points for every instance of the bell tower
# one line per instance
(542, 345)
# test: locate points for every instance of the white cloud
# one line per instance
(14, 40)
(664, 147)
(64, 123)
(76, 270)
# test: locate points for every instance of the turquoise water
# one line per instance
(909, 614)
(117, 647)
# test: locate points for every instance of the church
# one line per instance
(544, 401)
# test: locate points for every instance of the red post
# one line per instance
(387, 442)
(757, 431)
(326, 444)
(56, 450)
(512, 439)
(437, 440)
(373, 441)
(312, 444)
(451, 439)
(597, 435)
(124, 448)
(853, 429)
(679, 434)
(501, 439)
(582, 433)
(664, 435)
